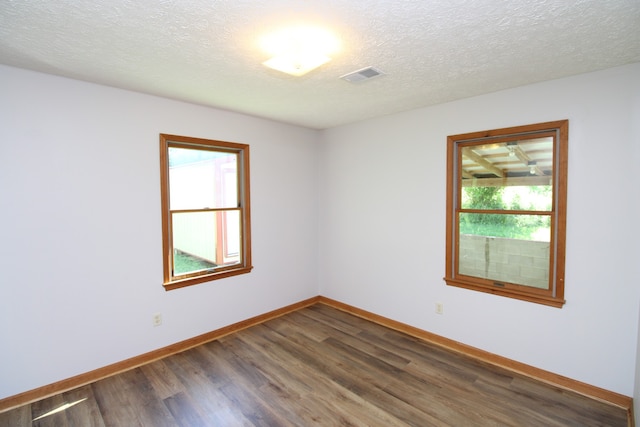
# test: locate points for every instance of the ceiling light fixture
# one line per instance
(298, 50)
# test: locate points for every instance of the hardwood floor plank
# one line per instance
(129, 397)
(183, 412)
(359, 340)
(323, 404)
(212, 405)
(340, 371)
(162, 379)
(85, 411)
(17, 417)
(44, 415)
(256, 410)
(238, 382)
(569, 407)
(461, 374)
(76, 408)
(416, 391)
(528, 414)
(338, 322)
(271, 390)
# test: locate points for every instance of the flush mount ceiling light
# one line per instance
(298, 50)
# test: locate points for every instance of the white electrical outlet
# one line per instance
(157, 319)
(439, 308)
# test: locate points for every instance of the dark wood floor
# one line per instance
(322, 367)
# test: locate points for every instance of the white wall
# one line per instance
(80, 256)
(635, 154)
(80, 252)
(382, 226)
(636, 394)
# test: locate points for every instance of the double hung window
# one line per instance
(506, 211)
(205, 209)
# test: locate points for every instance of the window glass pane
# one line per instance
(505, 248)
(533, 198)
(205, 240)
(200, 179)
(526, 227)
(232, 240)
(507, 175)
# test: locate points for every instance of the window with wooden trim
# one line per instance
(506, 211)
(206, 228)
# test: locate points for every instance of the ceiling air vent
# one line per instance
(362, 75)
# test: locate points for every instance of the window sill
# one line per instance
(181, 283)
(508, 292)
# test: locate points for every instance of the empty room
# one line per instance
(386, 213)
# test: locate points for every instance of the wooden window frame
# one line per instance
(554, 294)
(244, 207)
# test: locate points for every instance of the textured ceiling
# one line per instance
(207, 52)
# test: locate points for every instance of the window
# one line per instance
(506, 211)
(206, 232)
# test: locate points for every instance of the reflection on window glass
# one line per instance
(205, 240)
(202, 179)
